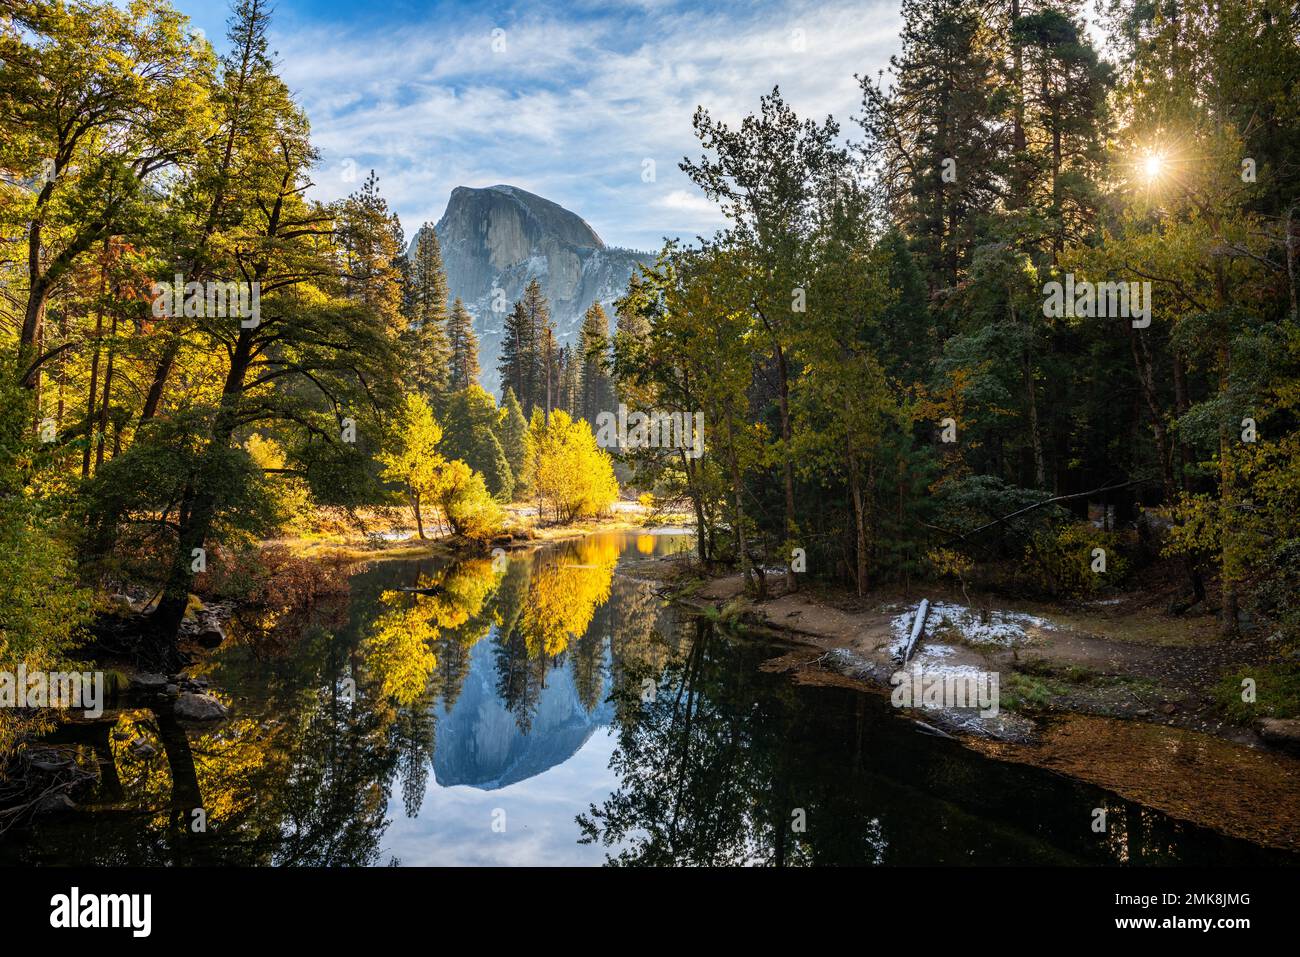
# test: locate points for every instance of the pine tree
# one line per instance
(371, 239)
(517, 351)
(464, 348)
(567, 369)
(426, 336)
(939, 134)
(471, 422)
(512, 431)
(595, 388)
(548, 380)
(538, 382)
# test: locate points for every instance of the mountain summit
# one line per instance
(501, 238)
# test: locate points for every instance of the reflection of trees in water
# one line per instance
(714, 768)
(307, 783)
(305, 778)
(548, 604)
(688, 791)
(447, 614)
(415, 736)
(723, 762)
(566, 588)
(711, 769)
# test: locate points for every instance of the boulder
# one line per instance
(54, 803)
(200, 707)
(122, 604)
(1281, 732)
(148, 681)
(210, 634)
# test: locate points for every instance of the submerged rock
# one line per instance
(200, 707)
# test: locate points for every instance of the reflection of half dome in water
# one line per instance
(479, 743)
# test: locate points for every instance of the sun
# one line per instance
(1153, 166)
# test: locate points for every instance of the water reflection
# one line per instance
(553, 711)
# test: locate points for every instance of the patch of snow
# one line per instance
(1003, 628)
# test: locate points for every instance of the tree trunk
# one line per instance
(787, 467)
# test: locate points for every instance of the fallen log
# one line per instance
(918, 626)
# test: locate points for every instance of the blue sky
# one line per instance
(572, 101)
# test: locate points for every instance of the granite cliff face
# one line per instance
(497, 239)
(479, 743)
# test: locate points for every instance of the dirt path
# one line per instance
(1127, 695)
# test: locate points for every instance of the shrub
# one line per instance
(572, 476)
(1060, 560)
(466, 502)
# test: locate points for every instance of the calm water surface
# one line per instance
(551, 710)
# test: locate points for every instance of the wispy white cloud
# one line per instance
(573, 100)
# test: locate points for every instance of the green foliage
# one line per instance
(463, 346)
(1277, 692)
(43, 607)
(512, 434)
(427, 336)
(472, 420)
(1060, 560)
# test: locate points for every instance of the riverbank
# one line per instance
(1116, 692)
(390, 535)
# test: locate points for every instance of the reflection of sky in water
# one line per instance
(454, 826)
(541, 779)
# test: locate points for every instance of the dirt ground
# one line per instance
(1114, 658)
(1119, 691)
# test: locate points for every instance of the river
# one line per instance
(551, 709)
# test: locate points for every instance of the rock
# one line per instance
(149, 682)
(1143, 712)
(172, 690)
(1168, 708)
(51, 762)
(122, 604)
(1281, 732)
(53, 803)
(210, 634)
(142, 748)
(501, 237)
(200, 707)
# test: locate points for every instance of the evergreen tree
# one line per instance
(471, 423)
(512, 431)
(517, 355)
(426, 338)
(370, 239)
(547, 365)
(937, 133)
(595, 387)
(567, 376)
(464, 348)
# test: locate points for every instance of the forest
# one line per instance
(1030, 321)
(1027, 321)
